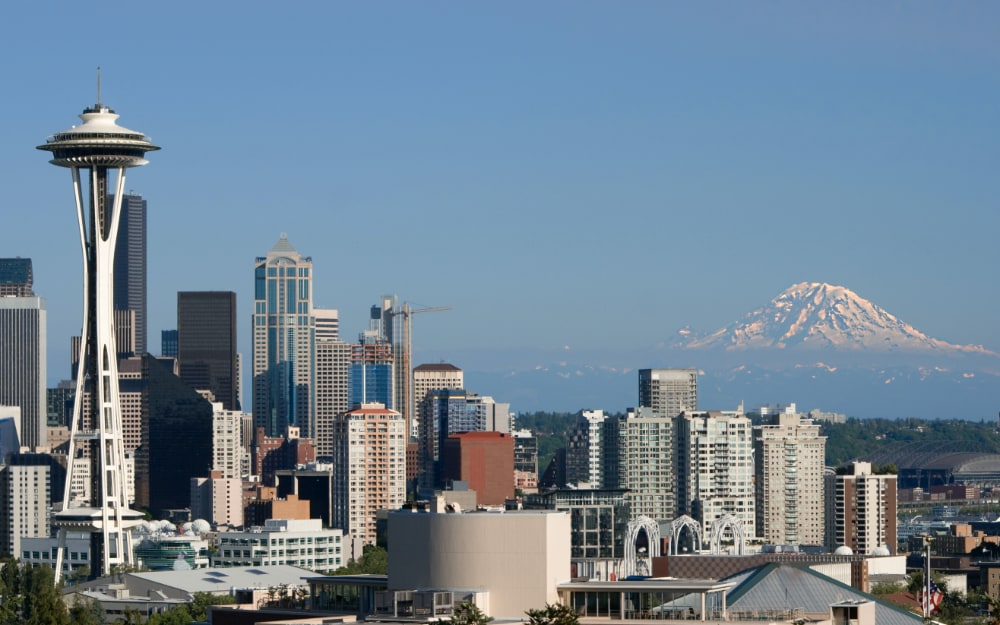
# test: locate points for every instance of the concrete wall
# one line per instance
(518, 557)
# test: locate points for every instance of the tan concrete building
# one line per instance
(790, 458)
(369, 459)
(512, 561)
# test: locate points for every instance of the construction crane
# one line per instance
(406, 401)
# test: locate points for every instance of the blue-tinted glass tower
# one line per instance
(284, 342)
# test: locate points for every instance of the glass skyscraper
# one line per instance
(130, 265)
(284, 342)
(206, 343)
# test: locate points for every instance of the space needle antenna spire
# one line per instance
(97, 153)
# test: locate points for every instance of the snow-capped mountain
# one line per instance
(815, 315)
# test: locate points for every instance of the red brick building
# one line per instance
(483, 459)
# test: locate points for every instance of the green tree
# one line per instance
(43, 604)
(86, 611)
(553, 614)
(468, 613)
(374, 561)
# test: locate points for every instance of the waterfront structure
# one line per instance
(292, 542)
(333, 362)
(715, 468)
(861, 509)
(284, 341)
(369, 453)
(646, 464)
(789, 461)
(483, 460)
(101, 150)
(206, 344)
(130, 266)
(23, 364)
(668, 391)
(16, 277)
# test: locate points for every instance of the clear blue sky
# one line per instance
(591, 174)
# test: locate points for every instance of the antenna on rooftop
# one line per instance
(98, 86)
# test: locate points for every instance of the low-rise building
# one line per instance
(301, 543)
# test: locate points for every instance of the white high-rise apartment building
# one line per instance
(229, 455)
(668, 391)
(645, 463)
(333, 365)
(790, 457)
(587, 449)
(369, 458)
(26, 490)
(715, 468)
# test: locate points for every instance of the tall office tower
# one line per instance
(789, 459)
(431, 377)
(668, 391)
(715, 470)
(587, 449)
(168, 343)
(22, 364)
(372, 371)
(646, 463)
(130, 264)
(451, 411)
(369, 445)
(16, 277)
(101, 150)
(284, 342)
(26, 484)
(861, 509)
(333, 363)
(176, 435)
(206, 343)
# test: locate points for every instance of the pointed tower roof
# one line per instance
(283, 246)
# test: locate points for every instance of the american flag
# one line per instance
(930, 598)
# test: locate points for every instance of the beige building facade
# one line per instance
(790, 458)
(515, 559)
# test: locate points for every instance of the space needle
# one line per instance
(97, 153)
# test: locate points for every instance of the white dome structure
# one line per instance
(843, 550)
(881, 551)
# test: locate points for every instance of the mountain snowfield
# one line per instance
(816, 315)
(819, 345)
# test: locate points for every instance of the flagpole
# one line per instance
(926, 600)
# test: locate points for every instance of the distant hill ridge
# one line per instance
(816, 315)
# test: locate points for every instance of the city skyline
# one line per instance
(531, 173)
